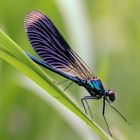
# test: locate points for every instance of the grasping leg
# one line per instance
(117, 111)
(68, 86)
(63, 82)
(85, 98)
(104, 116)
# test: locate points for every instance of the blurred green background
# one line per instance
(106, 34)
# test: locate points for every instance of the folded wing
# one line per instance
(52, 47)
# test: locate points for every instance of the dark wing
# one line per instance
(52, 47)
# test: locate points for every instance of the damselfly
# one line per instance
(58, 57)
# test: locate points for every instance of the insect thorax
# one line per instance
(95, 87)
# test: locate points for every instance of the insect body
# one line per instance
(58, 57)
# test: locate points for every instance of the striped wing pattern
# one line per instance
(52, 47)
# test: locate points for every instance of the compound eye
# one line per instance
(112, 95)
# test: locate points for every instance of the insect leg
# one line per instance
(68, 86)
(117, 111)
(82, 101)
(105, 117)
(85, 98)
(62, 82)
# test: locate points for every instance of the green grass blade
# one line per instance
(13, 54)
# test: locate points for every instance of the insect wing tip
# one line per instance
(32, 18)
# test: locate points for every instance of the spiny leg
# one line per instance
(82, 100)
(62, 82)
(89, 108)
(117, 111)
(68, 86)
(85, 98)
(105, 117)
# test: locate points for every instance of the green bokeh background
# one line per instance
(107, 37)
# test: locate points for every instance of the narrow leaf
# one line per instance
(13, 54)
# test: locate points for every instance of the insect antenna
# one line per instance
(117, 111)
